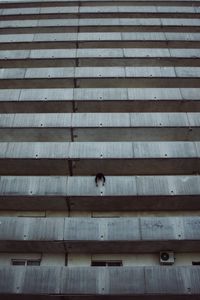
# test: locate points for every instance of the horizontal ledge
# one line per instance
(103, 15)
(108, 73)
(96, 134)
(100, 151)
(100, 62)
(137, 158)
(99, 54)
(101, 99)
(125, 282)
(98, 203)
(98, 10)
(98, 120)
(95, 29)
(79, 127)
(29, 29)
(82, 167)
(115, 186)
(100, 235)
(101, 94)
(100, 44)
(102, 82)
(39, 3)
(121, 23)
(99, 247)
(60, 106)
(101, 37)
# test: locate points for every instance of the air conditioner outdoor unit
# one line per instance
(167, 258)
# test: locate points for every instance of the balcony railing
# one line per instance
(105, 235)
(159, 282)
(119, 193)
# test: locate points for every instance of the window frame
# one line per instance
(25, 262)
(107, 263)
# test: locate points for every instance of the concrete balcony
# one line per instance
(155, 24)
(99, 12)
(110, 127)
(98, 57)
(92, 54)
(81, 194)
(38, 3)
(117, 158)
(98, 77)
(95, 235)
(100, 100)
(102, 36)
(96, 100)
(104, 283)
(97, 9)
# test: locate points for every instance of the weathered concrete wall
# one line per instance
(100, 281)
(87, 87)
(79, 193)
(104, 235)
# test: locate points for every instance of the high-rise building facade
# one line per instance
(100, 149)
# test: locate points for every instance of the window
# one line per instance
(106, 263)
(25, 262)
(18, 262)
(33, 262)
(97, 214)
(196, 263)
